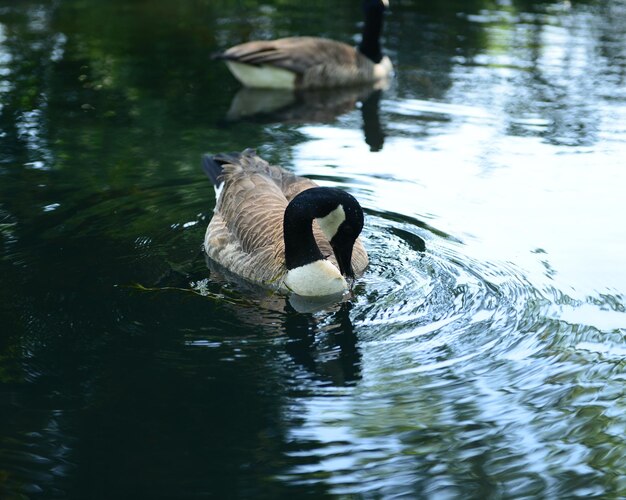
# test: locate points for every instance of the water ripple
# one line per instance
(446, 341)
(453, 306)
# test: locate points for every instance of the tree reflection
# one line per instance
(105, 108)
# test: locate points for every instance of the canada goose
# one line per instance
(263, 227)
(309, 62)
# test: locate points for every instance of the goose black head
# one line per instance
(340, 218)
(342, 226)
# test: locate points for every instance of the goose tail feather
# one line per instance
(216, 56)
(213, 169)
(213, 165)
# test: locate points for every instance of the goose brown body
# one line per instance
(313, 62)
(246, 235)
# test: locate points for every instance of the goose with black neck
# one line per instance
(303, 62)
(282, 231)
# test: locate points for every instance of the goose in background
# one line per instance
(310, 62)
(281, 231)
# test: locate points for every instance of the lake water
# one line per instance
(483, 353)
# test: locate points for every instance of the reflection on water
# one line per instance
(311, 106)
(481, 354)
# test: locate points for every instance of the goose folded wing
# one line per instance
(253, 211)
(296, 54)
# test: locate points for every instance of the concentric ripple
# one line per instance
(444, 340)
(439, 297)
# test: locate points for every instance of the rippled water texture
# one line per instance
(482, 354)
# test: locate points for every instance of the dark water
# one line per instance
(492, 364)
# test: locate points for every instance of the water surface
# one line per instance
(482, 354)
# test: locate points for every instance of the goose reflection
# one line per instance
(320, 335)
(310, 106)
(328, 350)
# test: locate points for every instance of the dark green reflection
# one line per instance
(108, 391)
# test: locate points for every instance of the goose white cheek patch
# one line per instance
(331, 222)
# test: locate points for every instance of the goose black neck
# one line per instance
(372, 29)
(300, 245)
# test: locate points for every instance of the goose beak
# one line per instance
(343, 254)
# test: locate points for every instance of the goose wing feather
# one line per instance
(245, 234)
(296, 54)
